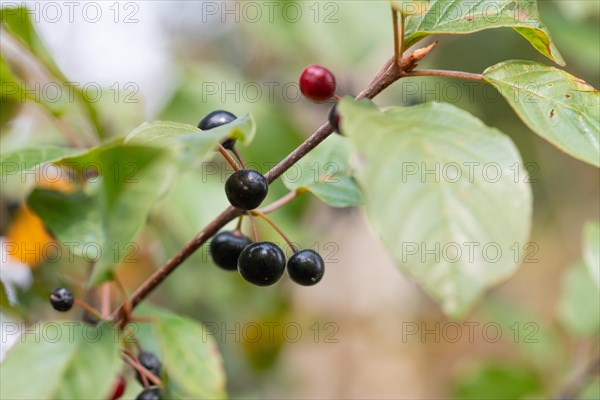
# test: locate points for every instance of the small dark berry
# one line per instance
(246, 189)
(306, 267)
(225, 249)
(149, 394)
(262, 263)
(215, 119)
(317, 83)
(119, 388)
(62, 299)
(151, 363)
(334, 119)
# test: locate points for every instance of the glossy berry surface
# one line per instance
(149, 394)
(306, 267)
(246, 189)
(119, 388)
(334, 119)
(262, 263)
(150, 362)
(225, 249)
(317, 83)
(215, 119)
(61, 299)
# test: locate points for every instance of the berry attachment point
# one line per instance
(334, 119)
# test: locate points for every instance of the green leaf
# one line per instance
(24, 159)
(556, 105)
(131, 178)
(591, 250)
(444, 192)
(190, 356)
(62, 360)
(465, 16)
(188, 142)
(10, 93)
(71, 217)
(325, 173)
(498, 381)
(579, 309)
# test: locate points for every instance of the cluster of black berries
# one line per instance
(263, 263)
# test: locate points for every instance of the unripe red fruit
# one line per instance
(119, 388)
(317, 83)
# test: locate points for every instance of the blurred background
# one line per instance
(365, 331)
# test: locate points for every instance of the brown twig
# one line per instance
(391, 75)
(579, 380)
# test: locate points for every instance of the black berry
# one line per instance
(149, 394)
(262, 263)
(306, 267)
(317, 83)
(334, 119)
(151, 363)
(225, 249)
(215, 119)
(246, 189)
(61, 299)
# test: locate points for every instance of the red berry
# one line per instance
(317, 83)
(119, 388)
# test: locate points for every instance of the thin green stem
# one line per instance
(397, 53)
(274, 226)
(89, 309)
(228, 158)
(239, 157)
(402, 23)
(449, 74)
(281, 202)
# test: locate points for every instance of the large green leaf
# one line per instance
(441, 192)
(579, 309)
(62, 360)
(102, 223)
(191, 359)
(325, 173)
(24, 159)
(556, 105)
(466, 16)
(591, 250)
